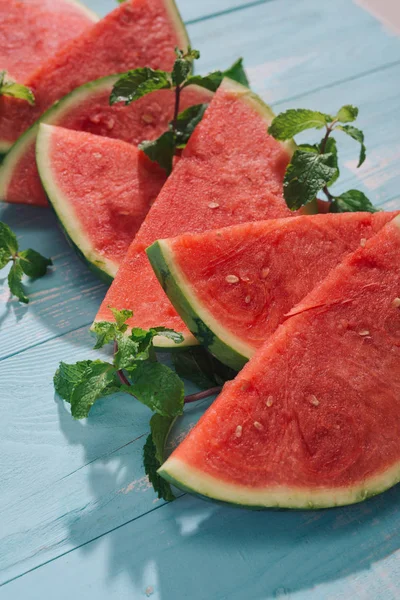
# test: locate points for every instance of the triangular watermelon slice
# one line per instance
(313, 420)
(101, 190)
(137, 33)
(231, 172)
(31, 32)
(232, 287)
(88, 109)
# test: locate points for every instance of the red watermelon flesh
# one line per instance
(90, 111)
(136, 34)
(230, 172)
(313, 419)
(240, 281)
(31, 32)
(101, 190)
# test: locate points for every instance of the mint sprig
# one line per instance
(15, 90)
(26, 262)
(136, 371)
(314, 168)
(137, 83)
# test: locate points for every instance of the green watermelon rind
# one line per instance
(65, 214)
(194, 481)
(196, 317)
(5, 146)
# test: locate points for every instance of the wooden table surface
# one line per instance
(78, 518)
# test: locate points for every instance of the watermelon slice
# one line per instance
(31, 32)
(232, 287)
(230, 172)
(136, 34)
(88, 109)
(313, 420)
(101, 190)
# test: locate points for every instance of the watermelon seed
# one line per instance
(247, 299)
(265, 273)
(314, 400)
(147, 118)
(213, 205)
(232, 279)
(269, 401)
(396, 303)
(364, 332)
(110, 123)
(245, 278)
(363, 241)
(97, 155)
(238, 432)
(258, 425)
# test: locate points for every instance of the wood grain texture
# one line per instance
(65, 483)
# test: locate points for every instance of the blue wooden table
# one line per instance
(78, 517)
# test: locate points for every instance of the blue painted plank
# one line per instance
(69, 298)
(192, 549)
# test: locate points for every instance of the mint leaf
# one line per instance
(294, 121)
(14, 282)
(16, 90)
(186, 123)
(4, 257)
(158, 387)
(34, 264)
(126, 355)
(161, 150)
(183, 65)
(352, 201)
(305, 176)
(160, 428)
(332, 158)
(237, 73)
(176, 337)
(8, 240)
(68, 376)
(105, 333)
(99, 380)
(151, 466)
(137, 83)
(121, 316)
(211, 82)
(357, 135)
(347, 114)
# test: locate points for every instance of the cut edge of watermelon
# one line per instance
(180, 28)
(194, 481)
(51, 116)
(65, 213)
(229, 349)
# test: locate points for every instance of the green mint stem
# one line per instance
(188, 399)
(176, 109)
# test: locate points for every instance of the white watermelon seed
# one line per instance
(258, 425)
(363, 241)
(213, 205)
(270, 401)
(265, 272)
(247, 299)
(238, 432)
(396, 303)
(97, 155)
(147, 118)
(314, 400)
(232, 279)
(363, 332)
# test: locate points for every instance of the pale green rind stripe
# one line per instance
(227, 348)
(195, 481)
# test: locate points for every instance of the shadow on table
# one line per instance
(200, 550)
